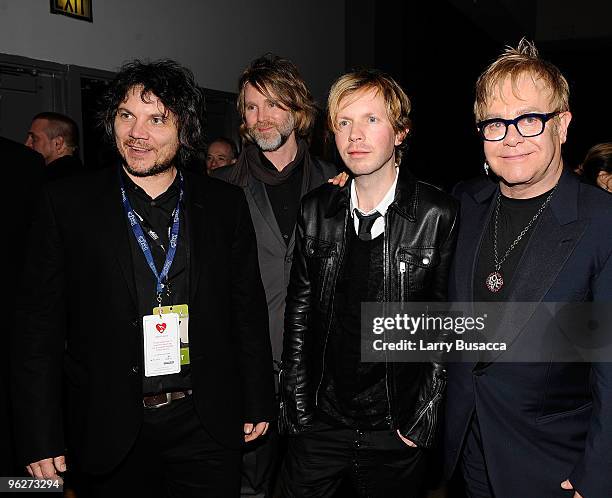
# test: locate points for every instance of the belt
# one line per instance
(164, 399)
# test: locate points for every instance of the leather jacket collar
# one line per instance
(405, 202)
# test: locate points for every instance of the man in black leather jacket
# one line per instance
(383, 237)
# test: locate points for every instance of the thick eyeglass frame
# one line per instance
(542, 117)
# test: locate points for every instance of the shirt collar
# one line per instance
(170, 192)
(383, 205)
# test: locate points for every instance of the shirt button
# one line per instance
(135, 369)
(285, 236)
(153, 203)
(425, 261)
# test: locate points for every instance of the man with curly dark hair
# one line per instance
(143, 288)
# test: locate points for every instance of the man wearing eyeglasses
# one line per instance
(535, 234)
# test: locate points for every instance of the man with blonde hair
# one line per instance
(382, 237)
(275, 169)
(530, 233)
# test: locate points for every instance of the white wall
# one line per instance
(216, 39)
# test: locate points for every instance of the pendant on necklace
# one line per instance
(495, 281)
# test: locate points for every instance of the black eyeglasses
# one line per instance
(528, 125)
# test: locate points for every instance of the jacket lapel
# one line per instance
(196, 209)
(476, 210)
(552, 243)
(260, 197)
(114, 219)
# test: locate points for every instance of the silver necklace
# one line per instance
(495, 280)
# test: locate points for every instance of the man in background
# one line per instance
(56, 137)
(221, 152)
(24, 174)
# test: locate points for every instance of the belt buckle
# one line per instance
(159, 405)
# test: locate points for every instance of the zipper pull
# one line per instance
(402, 267)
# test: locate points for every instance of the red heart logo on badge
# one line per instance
(160, 327)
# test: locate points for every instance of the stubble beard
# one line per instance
(156, 168)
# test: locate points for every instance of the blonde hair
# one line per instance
(514, 63)
(397, 102)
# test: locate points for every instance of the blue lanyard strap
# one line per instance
(142, 240)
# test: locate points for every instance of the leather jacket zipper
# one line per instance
(386, 299)
(402, 269)
(424, 410)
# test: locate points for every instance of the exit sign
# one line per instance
(79, 9)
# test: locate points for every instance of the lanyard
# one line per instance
(142, 240)
(152, 233)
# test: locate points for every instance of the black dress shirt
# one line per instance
(157, 216)
(285, 199)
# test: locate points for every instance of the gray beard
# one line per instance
(271, 144)
(276, 142)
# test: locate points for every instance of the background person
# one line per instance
(221, 152)
(597, 166)
(56, 137)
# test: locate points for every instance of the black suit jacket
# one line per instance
(23, 172)
(63, 167)
(543, 422)
(78, 316)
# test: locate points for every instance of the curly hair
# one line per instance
(396, 101)
(279, 80)
(175, 86)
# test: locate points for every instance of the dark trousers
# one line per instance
(473, 464)
(260, 463)
(378, 464)
(173, 457)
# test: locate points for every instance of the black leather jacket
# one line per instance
(420, 235)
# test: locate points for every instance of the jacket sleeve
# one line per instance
(447, 249)
(38, 343)
(423, 427)
(250, 320)
(294, 380)
(591, 477)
